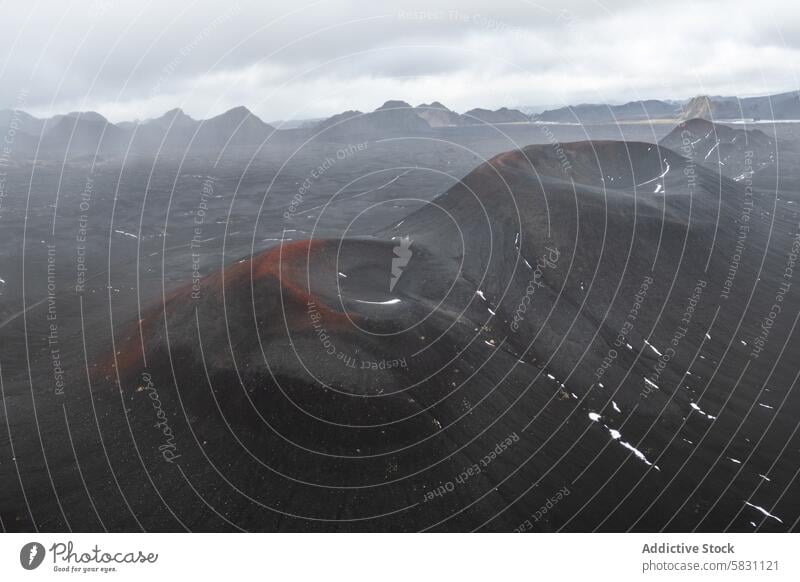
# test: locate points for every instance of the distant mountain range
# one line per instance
(782, 106)
(777, 107)
(81, 134)
(594, 113)
(393, 117)
(89, 133)
(399, 117)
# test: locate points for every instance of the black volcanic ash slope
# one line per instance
(746, 155)
(564, 319)
(732, 152)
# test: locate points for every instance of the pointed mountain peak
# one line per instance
(177, 112)
(172, 117)
(239, 112)
(394, 104)
(87, 116)
(434, 105)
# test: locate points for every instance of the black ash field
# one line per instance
(375, 325)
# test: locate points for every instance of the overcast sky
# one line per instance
(294, 59)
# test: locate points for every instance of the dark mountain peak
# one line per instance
(347, 114)
(172, 117)
(247, 122)
(698, 128)
(175, 113)
(695, 124)
(437, 115)
(732, 151)
(502, 115)
(73, 116)
(92, 115)
(61, 127)
(239, 112)
(434, 105)
(392, 118)
(478, 110)
(394, 104)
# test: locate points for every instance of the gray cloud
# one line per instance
(312, 58)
